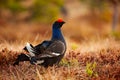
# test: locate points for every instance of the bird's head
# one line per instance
(58, 23)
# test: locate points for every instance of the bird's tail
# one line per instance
(30, 49)
(20, 58)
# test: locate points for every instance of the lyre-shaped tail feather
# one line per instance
(30, 49)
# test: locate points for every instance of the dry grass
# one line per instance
(94, 59)
(72, 67)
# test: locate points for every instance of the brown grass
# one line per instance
(90, 59)
(72, 67)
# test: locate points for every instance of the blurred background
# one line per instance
(31, 20)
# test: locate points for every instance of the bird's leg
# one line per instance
(20, 58)
(33, 60)
(36, 61)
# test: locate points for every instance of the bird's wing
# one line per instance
(40, 48)
(43, 45)
(56, 48)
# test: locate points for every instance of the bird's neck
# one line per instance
(57, 35)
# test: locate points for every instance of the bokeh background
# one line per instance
(23, 20)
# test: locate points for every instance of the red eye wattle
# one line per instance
(59, 20)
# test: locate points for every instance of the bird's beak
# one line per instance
(63, 22)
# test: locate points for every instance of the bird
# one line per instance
(49, 52)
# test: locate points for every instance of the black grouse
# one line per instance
(49, 52)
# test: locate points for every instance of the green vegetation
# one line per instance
(39, 10)
(102, 6)
(116, 35)
(45, 10)
(90, 69)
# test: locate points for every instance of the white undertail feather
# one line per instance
(30, 49)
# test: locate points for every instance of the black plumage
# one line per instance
(49, 52)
